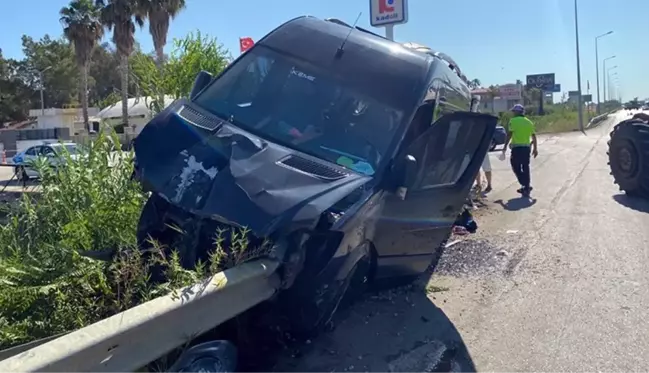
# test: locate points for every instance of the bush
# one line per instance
(48, 283)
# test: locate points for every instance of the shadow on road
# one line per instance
(633, 203)
(516, 204)
(399, 330)
(13, 182)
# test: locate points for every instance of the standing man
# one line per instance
(522, 134)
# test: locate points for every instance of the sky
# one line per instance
(496, 41)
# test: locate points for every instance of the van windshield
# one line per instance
(296, 104)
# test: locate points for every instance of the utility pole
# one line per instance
(604, 75)
(581, 109)
(597, 66)
(40, 73)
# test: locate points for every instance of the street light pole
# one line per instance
(608, 82)
(581, 109)
(597, 66)
(40, 73)
(604, 76)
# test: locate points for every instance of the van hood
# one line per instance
(216, 170)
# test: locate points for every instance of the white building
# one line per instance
(139, 113)
(502, 99)
(70, 117)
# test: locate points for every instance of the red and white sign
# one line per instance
(388, 12)
(245, 44)
(509, 91)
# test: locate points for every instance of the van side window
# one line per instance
(451, 100)
(445, 151)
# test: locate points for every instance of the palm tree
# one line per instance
(475, 83)
(160, 13)
(121, 16)
(82, 26)
(494, 91)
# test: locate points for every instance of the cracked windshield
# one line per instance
(324, 186)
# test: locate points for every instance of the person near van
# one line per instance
(486, 163)
(522, 134)
(486, 168)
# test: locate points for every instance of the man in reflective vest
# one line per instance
(522, 134)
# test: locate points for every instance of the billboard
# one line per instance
(388, 12)
(556, 88)
(573, 93)
(587, 98)
(543, 82)
(510, 92)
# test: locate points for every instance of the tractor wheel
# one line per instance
(628, 157)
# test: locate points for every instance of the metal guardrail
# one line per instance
(130, 340)
(5, 354)
(599, 118)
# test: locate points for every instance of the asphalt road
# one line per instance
(556, 283)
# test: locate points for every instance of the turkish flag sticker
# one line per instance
(245, 44)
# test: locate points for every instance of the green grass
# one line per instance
(560, 121)
(558, 118)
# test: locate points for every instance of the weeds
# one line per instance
(89, 204)
(557, 118)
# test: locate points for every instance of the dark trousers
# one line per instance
(520, 161)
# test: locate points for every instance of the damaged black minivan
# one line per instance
(350, 153)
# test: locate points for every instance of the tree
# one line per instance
(160, 13)
(493, 93)
(60, 80)
(120, 17)
(15, 95)
(82, 26)
(475, 83)
(190, 55)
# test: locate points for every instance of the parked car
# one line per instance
(52, 152)
(500, 135)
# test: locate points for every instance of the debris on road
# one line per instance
(465, 223)
(472, 257)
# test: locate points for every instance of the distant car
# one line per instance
(500, 135)
(51, 152)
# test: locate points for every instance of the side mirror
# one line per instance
(406, 175)
(202, 80)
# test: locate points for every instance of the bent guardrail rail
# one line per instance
(600, 118)
(132, 339)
